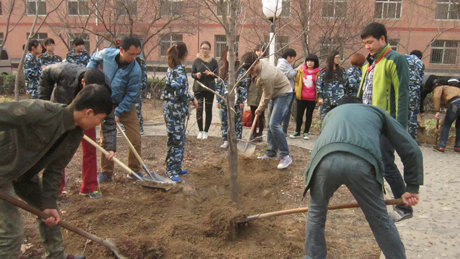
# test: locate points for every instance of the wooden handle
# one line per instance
(253, 126)
(305, 209)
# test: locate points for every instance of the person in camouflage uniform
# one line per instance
(141, 92)
(354, 74)
(416, 72)
(78, 55)
(32, 68)
(48, 57)
(331, 84)
(176, 109)
(240, 98)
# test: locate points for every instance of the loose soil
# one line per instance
(197, 219)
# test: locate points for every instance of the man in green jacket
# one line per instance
(37, 135)
(385, 84)
(348, 152)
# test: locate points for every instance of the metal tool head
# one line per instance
(246, 148)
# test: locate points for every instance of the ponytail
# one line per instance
(176, 54)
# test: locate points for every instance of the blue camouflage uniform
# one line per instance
(32, 72)
(47, 59)
(331, 92)
(241, 96)
(141, 92)
(354, 79)
(81, 59)
(416, 72)
(175, 110)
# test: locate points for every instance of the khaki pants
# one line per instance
(131, 123)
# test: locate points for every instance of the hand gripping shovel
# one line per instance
(116, 160)
(154, 177)
(110, 245)
(246, 147)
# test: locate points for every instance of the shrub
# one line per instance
(7, 84)
(154, 88)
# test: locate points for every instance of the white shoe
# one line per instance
(224, 145)
(205, 135)
(285, 162)
(200, 135)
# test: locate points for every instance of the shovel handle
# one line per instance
(61, 223)
(305, 209)
(131, 146)
(253, 126)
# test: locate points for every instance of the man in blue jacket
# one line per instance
(125, 76)
(348, 152)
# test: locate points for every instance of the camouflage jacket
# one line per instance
(354, 79)
(241, 91)
(416, 72)
(176, 88)
(32, 70)
(331, 92)
(81, 59)
(46, 59)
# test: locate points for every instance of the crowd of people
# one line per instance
(364, 111)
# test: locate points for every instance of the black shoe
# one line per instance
(399, 215)
(440, 149)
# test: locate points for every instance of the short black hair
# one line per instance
(417, 53)
(32, 43)
(375, 30)
(96, 97)
(48, 41)
(248, 59)
(289, 53)
(95, 76)
(129, 41)
(205, 42)
(314, 58)
(349, 99)
(78, 41)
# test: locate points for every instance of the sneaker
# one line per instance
(285, 162)
(440, 149)
(200, 135)
(96, 194)
(76, 257)
(294, 135)
(141, 131)
(104, 178)
(224, 145)
(265, 157)
(457, 149)
(173, 176)
(132, 177)
(305, 136)
(183, 172)
(205, 135)
(398, 215)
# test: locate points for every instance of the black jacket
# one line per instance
(199, 66)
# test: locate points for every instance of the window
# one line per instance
(444, 52)
(125, 7)
(34, 5)
(333, 8)
(447, 9)
(286, 8)
(171, 7)
(394, 44)
(220, 41)
(167, 40)
(387, 9)
(328, 45)
(77, 7)
(226, 5)
(38, 36)
(83, 36)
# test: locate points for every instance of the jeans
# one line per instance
(391, 172)
(276, 139)
(287, 118)
(452, 114)
(359, 176)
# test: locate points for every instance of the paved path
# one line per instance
(434, 231)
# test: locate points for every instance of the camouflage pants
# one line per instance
(174, 116)
(32, 90)
(414, 108)
(238, 121)
(11, 230)
(139, 114)
(324, 109)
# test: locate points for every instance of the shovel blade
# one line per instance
(246, 148)
(156, 178)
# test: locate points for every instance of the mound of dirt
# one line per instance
(198, 219)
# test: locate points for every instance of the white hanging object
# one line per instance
(272, 8)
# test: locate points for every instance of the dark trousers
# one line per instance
(208, 99)
(392, 174)
(261, 120)
(303, 105)
(452, 114)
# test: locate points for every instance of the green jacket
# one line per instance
(36, 135)
(390, 84)
(343, 131)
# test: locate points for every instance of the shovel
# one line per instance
(154, 177)
(246, 147)
(110, 245)
(116, 160)
(305, 209)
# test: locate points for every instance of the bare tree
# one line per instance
(10, 10)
